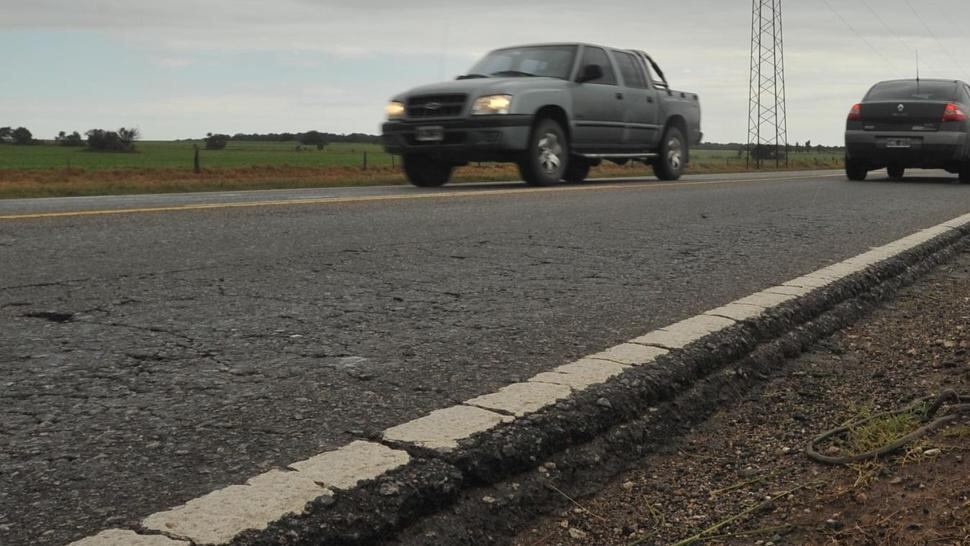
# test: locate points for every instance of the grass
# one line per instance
(878, 433)
(46, 170)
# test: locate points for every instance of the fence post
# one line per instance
(196, 168)
(365, 161)
(392, 161)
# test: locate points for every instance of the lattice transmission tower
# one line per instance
(767, 122)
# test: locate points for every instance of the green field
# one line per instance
(154, 155)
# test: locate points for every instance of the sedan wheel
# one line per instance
(896, 172)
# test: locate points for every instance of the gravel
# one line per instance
(750, 452)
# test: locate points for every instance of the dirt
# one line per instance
(746, 465)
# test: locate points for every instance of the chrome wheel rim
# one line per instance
(675, 156)
(550, 154)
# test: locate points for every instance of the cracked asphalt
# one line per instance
(146, 359)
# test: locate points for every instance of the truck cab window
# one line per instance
(630, 69)
(595, 55)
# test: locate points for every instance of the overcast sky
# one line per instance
(181, 68)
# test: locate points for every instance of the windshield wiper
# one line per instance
(513, 73)
(471, 76)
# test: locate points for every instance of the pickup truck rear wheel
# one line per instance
(673, 155)
(577, 170)
(545, 161)
(425, 172)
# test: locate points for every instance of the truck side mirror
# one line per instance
(590, 72)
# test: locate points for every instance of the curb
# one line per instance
(484, 467)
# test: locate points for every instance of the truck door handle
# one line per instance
(619, 96)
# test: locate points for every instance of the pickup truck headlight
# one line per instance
(492, 104)
(394, 110)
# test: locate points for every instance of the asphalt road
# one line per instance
(147, 358)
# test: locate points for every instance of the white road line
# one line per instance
(220, 516)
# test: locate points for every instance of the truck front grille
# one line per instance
(436, 106)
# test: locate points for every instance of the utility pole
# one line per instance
(767, 123)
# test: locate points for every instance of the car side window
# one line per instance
(630, 69)
(596, 55)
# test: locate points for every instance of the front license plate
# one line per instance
(430, 134)
(899, 143)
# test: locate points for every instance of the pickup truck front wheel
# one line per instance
(425, 172)
(673, 156)
(545, 161)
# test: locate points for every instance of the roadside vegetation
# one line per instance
(115, 162)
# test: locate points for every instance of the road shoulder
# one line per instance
(750, 455)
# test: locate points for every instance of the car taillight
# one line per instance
(953, 113)
(856, 113)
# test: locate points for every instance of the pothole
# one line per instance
(52, 316)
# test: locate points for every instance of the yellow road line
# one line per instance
(404, 197)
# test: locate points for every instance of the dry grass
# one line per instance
(17, 183)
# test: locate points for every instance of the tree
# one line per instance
(6, 134)
(314, 138)
(110, 141)
(215, 141)
(129, 136)
(73, 139)
(22, 136)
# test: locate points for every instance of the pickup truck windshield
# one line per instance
(545, 61)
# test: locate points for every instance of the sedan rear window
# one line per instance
(911, 90)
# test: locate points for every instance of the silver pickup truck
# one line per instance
(555, 110)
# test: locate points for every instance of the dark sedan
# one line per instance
(903, 124)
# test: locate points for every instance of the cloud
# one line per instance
(269, 53)
(173, 62)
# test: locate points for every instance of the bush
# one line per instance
(123, 140)
(766, 151)
(314, 138)
(216, 141)
(73, 139)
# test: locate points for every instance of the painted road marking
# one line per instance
(521, 399)
(351, 464)
(441, 429)
(405, 197)
(630, 354)
(685, 332)
(119, 537)
(220, 516)
(581, 374)
(223, 514)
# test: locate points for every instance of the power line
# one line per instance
(882, 22)
(935, 39)
(860, 36)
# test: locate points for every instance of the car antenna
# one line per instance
(917, 71)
